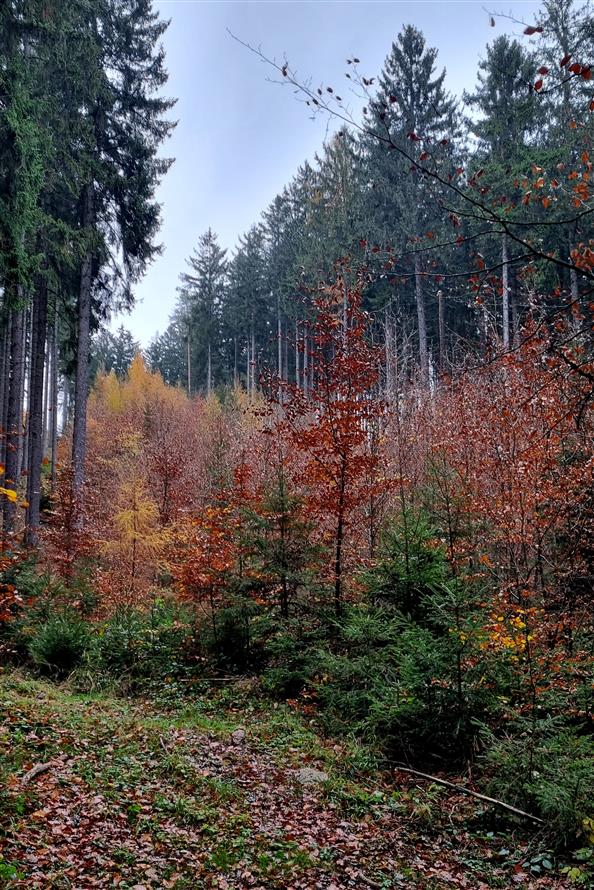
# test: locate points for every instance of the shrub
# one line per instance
(396, 685)
(42, 597)
(135, 646)
(410, 568)
(547, 768)
(59, 644)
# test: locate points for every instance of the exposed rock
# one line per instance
(238, 736)
(307, 775)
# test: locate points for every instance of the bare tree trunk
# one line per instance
(297, 353)
(339, 543)
(247, 367)
(234, 361)
(66, 405)
(421, 320)
(279, 338)
(485, 327)
(574, 287)
(345, 306)
(388, 351)
(515, 313)
(81, 384)
(13, 414)
(253, 361)
(36, 412)
(23, 444)
(208, 373)
(505, 290)
(4, 377)
(46, 393)
(54, 401)
(305, 359)
(441, 315)
(189, 358)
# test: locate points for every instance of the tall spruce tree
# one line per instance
(568, 36)
(120, 169)
(114, 351)
(168, 352)
(412, 106)
(507, 109)
(202, 294)
(248, 310)
(25, 152)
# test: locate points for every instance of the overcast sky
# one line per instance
(240, 138)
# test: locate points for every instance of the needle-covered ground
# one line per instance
(227, 791)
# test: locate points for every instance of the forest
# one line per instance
(301, 594)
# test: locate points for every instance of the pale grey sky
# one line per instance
(240, 138)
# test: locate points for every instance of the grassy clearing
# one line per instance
(207, 795)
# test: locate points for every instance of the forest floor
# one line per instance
(128, 793)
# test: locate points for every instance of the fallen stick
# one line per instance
(36, 771)
(464, 790)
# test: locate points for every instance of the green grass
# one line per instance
(166, 798)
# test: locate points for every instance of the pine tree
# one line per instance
(411, 106)
(168, 352)
(202, 294)
(247, 307)
(114, 351)
(568, 36)
(506, 103)
(122, 115)
(24, 158)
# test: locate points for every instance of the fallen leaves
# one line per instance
(132, 798)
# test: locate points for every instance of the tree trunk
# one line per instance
(388, 351)
(54, 401)
(421, 320)
(305, 359)
(66, 405)
(296, 353)
(23, 442)
(189, 356)
(13, 414)
(4, 372)
(339, 541)
(505, 290)
(515, 312)
(247, 367)
(253, 361)
(279, 335)
(81, 384)
(574, 287)
(46, 393)
(36, 412)
(208, 372)
(442, 346)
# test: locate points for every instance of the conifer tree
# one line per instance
(168, 352)
(508, 116)
(202, 294)
(115, 351)
(123, 120)
(411, 106)
(247, 309)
